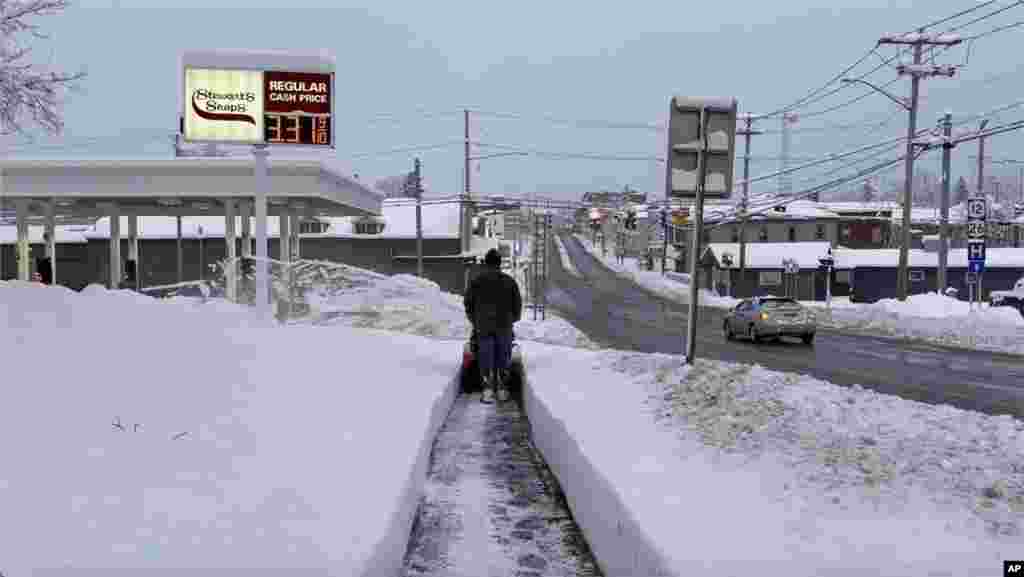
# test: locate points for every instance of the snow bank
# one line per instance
(933, 318)
(672, 286)
(409, 304)
(566, 261)
(208, 440)
(728, 469)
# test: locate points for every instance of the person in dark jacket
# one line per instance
(493, 305)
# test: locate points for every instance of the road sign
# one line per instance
(976, 230)
(974, 268)
(701, 135)
(977, 208)
(976, 251)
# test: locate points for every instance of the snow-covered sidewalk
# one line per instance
(174, 434)
(730, 469)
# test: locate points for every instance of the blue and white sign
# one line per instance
(977, 231)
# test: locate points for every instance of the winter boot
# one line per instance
(501, 377)
(488, 395)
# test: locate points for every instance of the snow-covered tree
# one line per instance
(29, 93)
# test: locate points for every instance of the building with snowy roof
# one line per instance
(865, 275)
(384, 243)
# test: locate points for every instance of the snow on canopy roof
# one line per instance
(842, 207)
(999, 257)
(65, 234)
(399, 218)
(769, 255)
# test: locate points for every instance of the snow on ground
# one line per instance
(180, 434)
(930, 317)
(566, 261)
(927, 317)
(730, 469)
(672, 286)
(409, 304)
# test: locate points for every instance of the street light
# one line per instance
(898, 100)
(910, 105)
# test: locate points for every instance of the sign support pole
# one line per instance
(698, 230)
(260, 153)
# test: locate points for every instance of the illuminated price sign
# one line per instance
(258, 107)
(297, 108)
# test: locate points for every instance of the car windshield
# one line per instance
(780, 304)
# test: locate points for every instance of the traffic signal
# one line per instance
(701, 134)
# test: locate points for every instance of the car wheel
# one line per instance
(808, 338)
(727, 331)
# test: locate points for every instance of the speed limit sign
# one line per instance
(977, 208)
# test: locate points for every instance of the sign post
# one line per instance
(258, 99)
(701, 151)
(977, 231)
(827, 261)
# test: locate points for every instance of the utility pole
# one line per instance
(664, 238)
(745, 201)
(462, 201)
(981, 159)
(418, 191)
(947, 147)
(916, 71)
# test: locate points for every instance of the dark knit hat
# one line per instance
(493, 258)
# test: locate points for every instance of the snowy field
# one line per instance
(224, 440)
(928, 317)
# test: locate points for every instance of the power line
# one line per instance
(404, 149)
(571, 155)
(574, 122)
(995, 30)
(954, 16)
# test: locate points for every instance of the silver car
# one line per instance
(770, 317)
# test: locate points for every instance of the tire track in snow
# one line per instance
(491, 507)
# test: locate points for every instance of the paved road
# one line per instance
(618, 313)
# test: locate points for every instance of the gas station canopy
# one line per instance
(88, 189)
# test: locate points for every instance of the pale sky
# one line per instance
(406, 69)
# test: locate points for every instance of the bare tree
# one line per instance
(27, 91)
(870, 191)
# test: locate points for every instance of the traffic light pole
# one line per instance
(698, 231)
